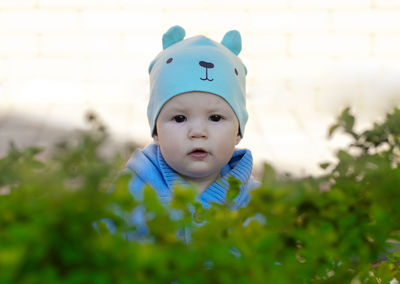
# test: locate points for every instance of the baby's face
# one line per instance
(197, 133)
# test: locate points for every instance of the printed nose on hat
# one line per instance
(206, 64)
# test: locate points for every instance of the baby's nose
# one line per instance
(198, 133)
(205, 64)
(198, 130)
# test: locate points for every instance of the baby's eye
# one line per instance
(179, 118)
(215, 117)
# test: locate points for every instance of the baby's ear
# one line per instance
(155, 139)
(238, 139)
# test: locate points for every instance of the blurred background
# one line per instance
(306, 61)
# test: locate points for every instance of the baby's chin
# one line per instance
(194, 175)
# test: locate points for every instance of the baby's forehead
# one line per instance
(197, 97)
(196, 101)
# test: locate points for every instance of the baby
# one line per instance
(197, 115)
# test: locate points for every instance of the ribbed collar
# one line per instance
(170, 176)
(240, 167)
(149, 165)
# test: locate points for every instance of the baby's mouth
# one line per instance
(198, 153)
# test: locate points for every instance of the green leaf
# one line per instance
(182, 197)
(324, 165)
(151, 200)
(233, 191)
(332, 130)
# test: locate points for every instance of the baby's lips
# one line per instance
(198, 150)
(198, 153)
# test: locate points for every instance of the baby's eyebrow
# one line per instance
(215, 110)
(177, 109)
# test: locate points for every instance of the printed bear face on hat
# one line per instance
(231, 41)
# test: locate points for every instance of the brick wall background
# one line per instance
(307, 59)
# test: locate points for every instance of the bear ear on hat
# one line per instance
(233, 41)
(172, 36)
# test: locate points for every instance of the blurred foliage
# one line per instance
(342, 227)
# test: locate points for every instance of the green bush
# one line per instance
(342, 227)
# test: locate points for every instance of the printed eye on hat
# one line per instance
(198, 64)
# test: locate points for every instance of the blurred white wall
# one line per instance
(307, 59)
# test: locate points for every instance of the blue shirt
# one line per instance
(149, 167)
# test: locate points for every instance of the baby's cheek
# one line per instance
(170, 129)
(226, 145)
(227, 131)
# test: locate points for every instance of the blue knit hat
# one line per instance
(198, 64)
